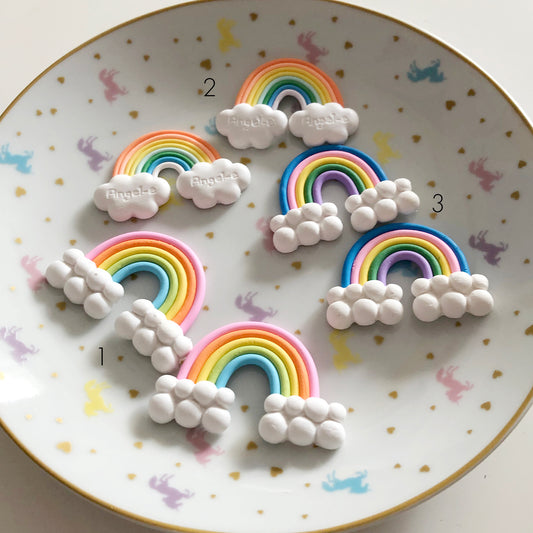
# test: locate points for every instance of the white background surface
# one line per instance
(496, 495)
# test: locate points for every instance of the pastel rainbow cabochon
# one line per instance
(156, 327)
(256, 120)
(372, 197)
(446, 286)
(200, 397)
(137, 189)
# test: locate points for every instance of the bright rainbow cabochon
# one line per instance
(200, 396)
(137, 190)
(255, 120)
(156, 328)
(372, 198)
(446, 286)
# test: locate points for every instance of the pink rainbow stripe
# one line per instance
(291, 184)
(365, 250)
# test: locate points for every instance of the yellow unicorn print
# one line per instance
(343, 354)
(385, 152)
(226, 37)
(96, 402)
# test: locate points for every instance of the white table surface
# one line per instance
(496, 495)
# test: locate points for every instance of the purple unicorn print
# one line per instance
(490, 251)
(256, 313)
(19, 350)
(172, 496)
(95, 158)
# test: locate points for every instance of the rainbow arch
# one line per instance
(372, 256)
(305, 219)
(286, 361)
(446, 286)
(269, 83)
(159, 150)
(305, 176)
(176, 266)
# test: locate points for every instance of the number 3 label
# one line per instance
(438, 197)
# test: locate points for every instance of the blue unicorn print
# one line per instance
(354, 484)
(211, 128)
(430, 73)
(19, 160)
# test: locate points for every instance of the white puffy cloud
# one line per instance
(124, 197)
(451, 296)
(84, 283)
(381, 203)
(306, 225)
(248, 126)
(154, 336)
(318, 124)
(208, 184)
(364, 304)
(191, 404)
(303, 422)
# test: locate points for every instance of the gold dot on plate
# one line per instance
(209, 234)
(59, 420)
(235, 475)
(481, 120)
(450, 104)
(146, 57)
(175, 40)
(251, 205)
(245, 160)
(424, 468)
(28, 417)
(244, 408)
(416, 138)
(292, 22)
(393, 394)
(297, 265)
(251, 445)
(433, 407)
(18, 240)
(522, 163)
(461, 150)
(138, 444)
(2, 375)
(53, 375)
(497, 374)
(297, 332)
(64, 446)
(205, 308)
(133, 114)
(20, 191)
(486, 342)
(61, 79)
(12, 288)
(52, 148)
(133, 393)
(391, 430)
(247, 252)
(397, 465)
(177, 464)
(275, 471)
(378, 339)
(469, 197)
(260, 511)
(92, 450)
(517, 312)
(529, 330)
(61, 305)
(340, 73)
(526, 261)
(351, 409)
(486, 406)
(149, 89)
(253, 16)
(59, 181)
(38, 112)
(515, 195)
(431, 183)
(47, 219)
(261, 53)
(206, 64)
(81, 348)
(132, 476)
(212, 496)
(430, 356)
(469, 431)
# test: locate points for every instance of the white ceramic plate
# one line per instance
(408, 434)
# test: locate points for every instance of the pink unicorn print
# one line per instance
(491, 251)
(305, 40)
(486, 177)
(112, 90)
(85, 146)
(19, 349)
(204, 450)
(172, 495)
(263, 226)
(36, 277)
(455, 387)
(256, 313)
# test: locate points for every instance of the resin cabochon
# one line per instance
(450, 130)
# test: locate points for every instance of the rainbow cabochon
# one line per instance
(446, 286)
(255, 120)
(156, 328)
(137, 190)
(199, 395)
(372, 198)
